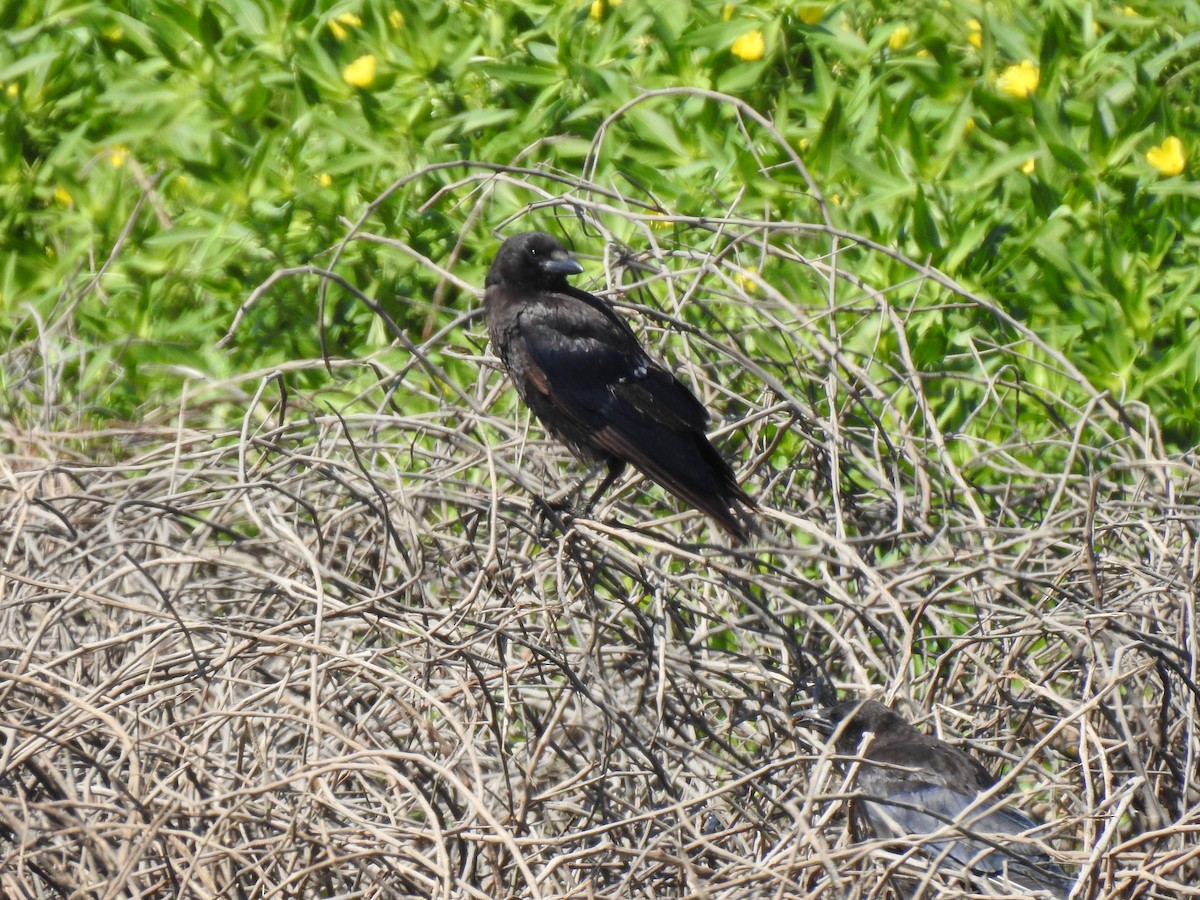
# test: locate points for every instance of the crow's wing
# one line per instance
(895, 809)
(587, 362)
(589, 369)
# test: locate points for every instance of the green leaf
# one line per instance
(209, 27)
(27, 64)
(925, 228)
(654, 126)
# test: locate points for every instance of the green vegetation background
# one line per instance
(160, 160)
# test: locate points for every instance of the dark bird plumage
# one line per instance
(580, 368)
(912, 784)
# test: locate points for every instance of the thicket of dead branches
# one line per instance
(344, 652)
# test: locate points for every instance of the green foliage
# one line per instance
(159, 160)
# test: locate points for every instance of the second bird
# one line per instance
(580, 368)
(914, 785)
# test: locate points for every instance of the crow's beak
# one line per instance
(561, 263)
(817, 720)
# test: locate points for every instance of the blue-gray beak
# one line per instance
(562, 263)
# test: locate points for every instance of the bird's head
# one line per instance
(532, 259)
(849, 720)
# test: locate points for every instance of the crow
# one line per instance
(580, 368)
(910, 784)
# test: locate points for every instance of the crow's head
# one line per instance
(851, 719)
(534, 260)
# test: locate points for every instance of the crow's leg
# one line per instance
(615, 468)
(553, 507)
(560, 500)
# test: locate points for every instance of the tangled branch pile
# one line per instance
(358, 655)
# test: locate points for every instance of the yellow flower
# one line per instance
(922, 53)
(726, 12)
(325, 179)
(599, 7)
(899, 37)
(750, 46)
(1167, 157)
(660, 224)
(350, 19)
(969, 126)
(745, 282)
(811, 13)
(361, 72)
(1020, 80)
(835, 199)
(1127, 11)
(974, 33)
(396, 18)
(113, 33)
(118, 155)
(63, 197)
(13, 89)
(1029, 166)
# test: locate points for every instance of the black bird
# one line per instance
(911, 784)
(580, 368)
